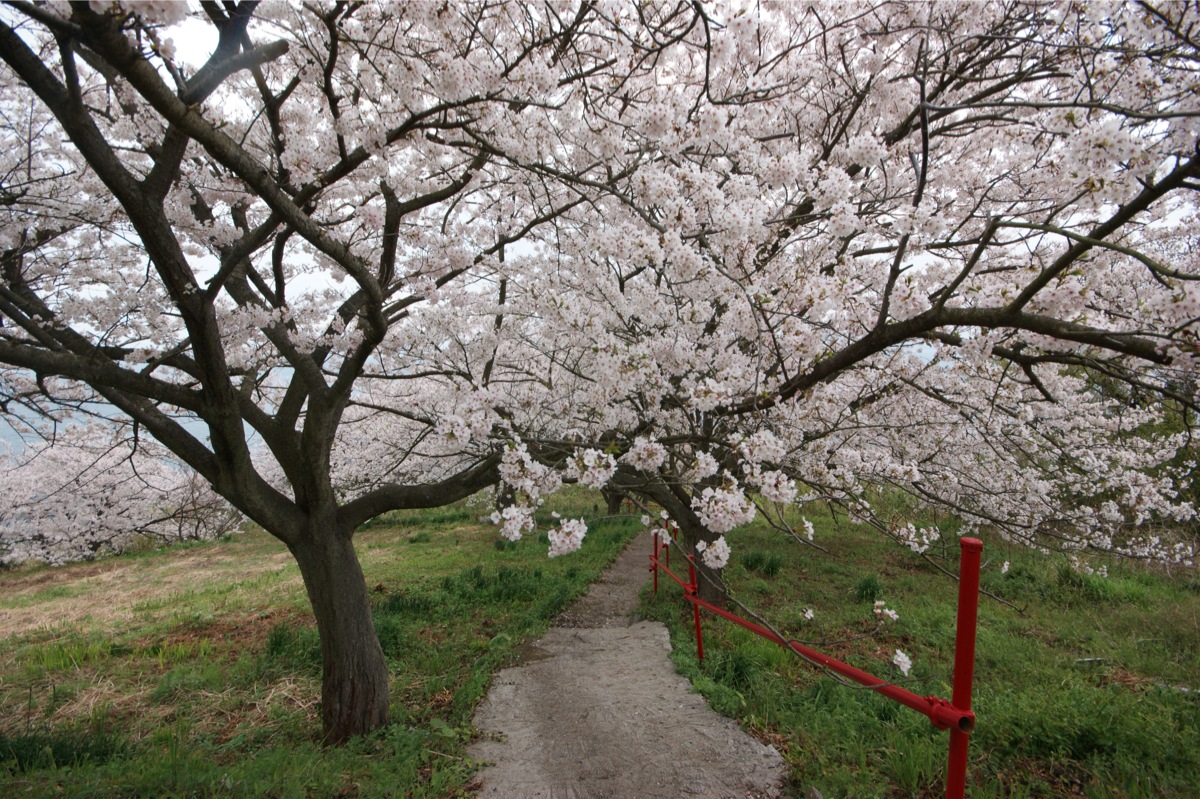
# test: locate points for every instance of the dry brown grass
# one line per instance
(217, 593)
(108, 595)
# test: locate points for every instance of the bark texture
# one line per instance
(354, 685)
(612, 500)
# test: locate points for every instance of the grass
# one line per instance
(1090, 689)
(195, 672)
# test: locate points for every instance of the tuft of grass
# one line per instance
(93, 741)
(295, 648)
(767, 564)
(71, 652)
(868, 589)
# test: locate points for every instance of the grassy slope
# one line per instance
(195, 671)
(1079, 695)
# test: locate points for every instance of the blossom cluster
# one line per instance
(917, 540)
(882, 611)
(645, 454)
(716, 554)
(775, 486)
(591, 467)
(524, 474)
(530, 482)
(514, 521)
(566, 537)
(723, 508)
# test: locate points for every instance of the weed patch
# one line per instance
(93, 743)
(294, 648)
(765, 563)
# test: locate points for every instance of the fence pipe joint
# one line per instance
(946, 716)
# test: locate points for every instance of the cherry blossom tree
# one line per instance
(886, 245)
(309, 231)
(91, 490)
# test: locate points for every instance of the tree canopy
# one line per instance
(730, 259)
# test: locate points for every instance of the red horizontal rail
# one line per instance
(943, 714)
(687, 587)
(955, 716)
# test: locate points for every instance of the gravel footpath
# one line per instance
(597, 710)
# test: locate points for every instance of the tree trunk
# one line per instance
(612, 500)
(354, 687)
(677, 503)
(505, 497)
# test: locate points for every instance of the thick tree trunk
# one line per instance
(354, 688)
(612, 500)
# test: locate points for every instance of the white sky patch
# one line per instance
(195, 40)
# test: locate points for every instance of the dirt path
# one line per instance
(598, 710)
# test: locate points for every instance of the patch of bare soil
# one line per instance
(598, 710)
(107, 593)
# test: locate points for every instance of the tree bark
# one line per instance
(676, 501)
(354, 685)
(612, 500)
(505, 497)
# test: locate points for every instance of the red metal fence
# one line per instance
(954, 715)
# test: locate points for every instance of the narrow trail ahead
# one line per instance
(597, 711)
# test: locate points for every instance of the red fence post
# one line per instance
(654, 560)
(694, 593)
(964, 661)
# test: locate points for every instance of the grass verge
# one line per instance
(195, 672)
(1090, 689)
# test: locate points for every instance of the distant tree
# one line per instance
(92, 491)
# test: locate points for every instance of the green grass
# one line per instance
(200, 676)
(194, 672)
(1091, 688)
